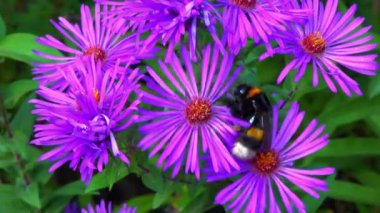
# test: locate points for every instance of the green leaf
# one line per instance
(247, 76)
(269, 69)
(351, 147)
(374, 123)
(117, 171)
(16, 90)
(352, 192)
(342, 6)
(39, 170)
(31, 195)
(363, 208)
(99, 181)
(19, 46)
(3, 29)
(162, 197)
(7, 162)
(367, 177)
(23, 121)
(18, 206)
(7, 193)
(57, 205)
(344, 112)
(201, 202)
(112, 173)
(153, 181)
(18, 144)
(312, 204)
(249, 57)
(305, 85)
(67, 191)
(70, 189)
(376, 39)
(374, 87)
(341, 163)
(143, 203)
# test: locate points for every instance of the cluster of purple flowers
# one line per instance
(92, 92)
(103, 207)
(89, 94)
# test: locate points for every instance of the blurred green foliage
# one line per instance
(26, 185)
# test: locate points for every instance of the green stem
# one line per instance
(8, 130)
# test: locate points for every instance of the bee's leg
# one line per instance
(290, 96)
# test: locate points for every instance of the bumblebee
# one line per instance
(251, 104)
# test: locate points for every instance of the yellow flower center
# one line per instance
(314, 44)
(96, 95)
(245, 4)
(98, 53)
(198, 111)
(266, 162)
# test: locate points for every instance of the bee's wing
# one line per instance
(267, 127)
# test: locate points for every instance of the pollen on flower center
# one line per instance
(98, 53)
(314, 43)
(198, 111)
(266, 162)
(246, 4)
(96, 95)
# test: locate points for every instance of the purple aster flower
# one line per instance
(273, 167)
(255, 19)
(188, 119)
(104, 208)
(169, 20)
(100, 36)
(80, 124)
(100, 208)
(329, 39)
